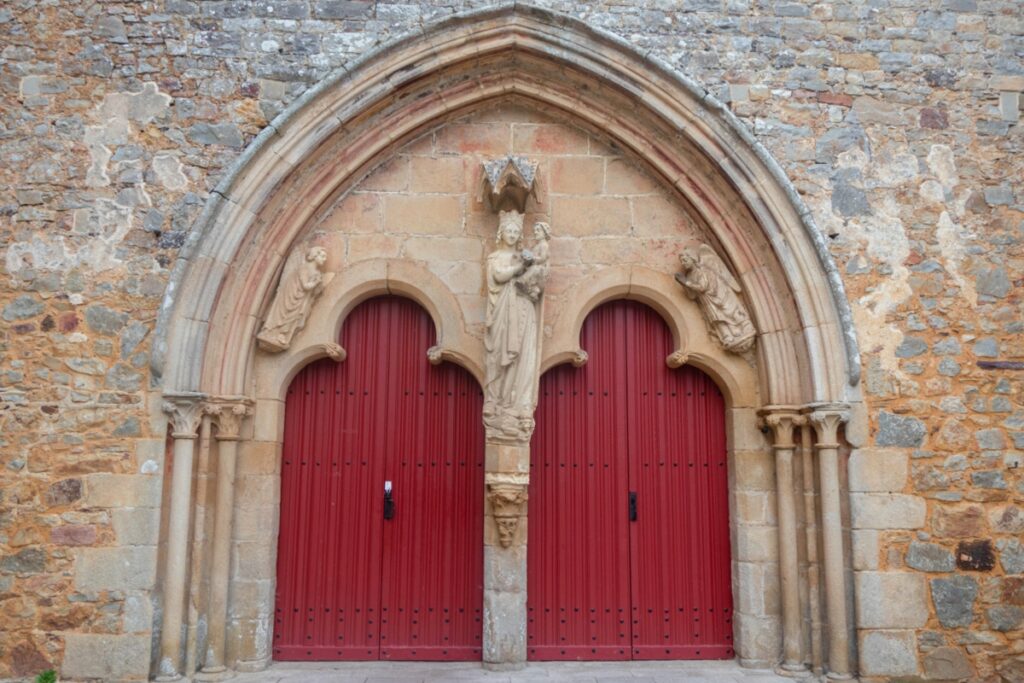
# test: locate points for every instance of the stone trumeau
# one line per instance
(822, 201)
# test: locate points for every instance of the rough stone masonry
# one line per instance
(898, 121)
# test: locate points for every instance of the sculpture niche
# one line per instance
(299, 287)
(515, 287)
(707, 280)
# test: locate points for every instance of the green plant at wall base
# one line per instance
(48, 676)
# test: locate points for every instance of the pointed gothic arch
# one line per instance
(326, 142)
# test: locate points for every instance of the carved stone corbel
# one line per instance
(677, 359)
(507, 494)
(334, 351)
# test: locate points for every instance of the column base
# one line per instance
(504, 666)
(798, 670)
(839, 677)
(214, 673)
(169, 677)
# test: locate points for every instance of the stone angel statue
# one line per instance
(708, 281)
(299, 287)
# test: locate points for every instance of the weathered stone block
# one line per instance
(929, 557)
(899, 430)
(886, 511)
(122, 490)
(954, 600)
(437, 174)
(432, 214)
(64, 492)
(878, 470)
(577, 175)
(891, 600)
(865, 549)
(592, 215)
(132, 568)
(106, 657)
(549, 138)
(505, 568)
(1004, 617)
(136, 526)
(504, 627)
(27, 561)
(888, 653)
(947, 664)
(961, 521)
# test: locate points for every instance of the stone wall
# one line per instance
(899, 124)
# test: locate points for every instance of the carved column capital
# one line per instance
(507, 494)
(185, 411)
(781, 421)
(227, 414)
(826, 419)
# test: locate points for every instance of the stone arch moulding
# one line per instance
(338, 132)
(732, 373)
(333, 134)
(362, 281)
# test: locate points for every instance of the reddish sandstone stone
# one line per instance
(26, 660)
(74, 534)
(835, 98)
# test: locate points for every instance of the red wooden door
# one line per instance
(629, 537)
(350, 584)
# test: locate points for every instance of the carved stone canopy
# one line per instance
(508, 182)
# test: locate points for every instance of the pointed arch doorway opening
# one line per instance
(629, 529)
(380, 547)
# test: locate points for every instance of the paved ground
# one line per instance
(419, 672)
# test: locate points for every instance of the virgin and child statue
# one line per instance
(515, 285)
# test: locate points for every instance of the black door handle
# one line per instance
(632, 506)
(389, 502)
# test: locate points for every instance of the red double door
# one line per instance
(629, 539)
(352, 584)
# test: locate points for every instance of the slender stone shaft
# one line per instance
(228, 418)
(826, 423)
(186, 413)
(782, 422)
(811, 529)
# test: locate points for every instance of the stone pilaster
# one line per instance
(827, 420)
(227, 414)
(782, 421)
(186, 412)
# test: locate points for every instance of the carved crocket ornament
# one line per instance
(299, 287)
(707, 280)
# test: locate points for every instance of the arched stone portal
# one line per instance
(688, 174)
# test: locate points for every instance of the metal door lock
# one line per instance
(389, 502)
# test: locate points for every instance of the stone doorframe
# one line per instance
(804, 384)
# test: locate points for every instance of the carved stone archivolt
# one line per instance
(708, 281)
(298, 289)
(507, 494)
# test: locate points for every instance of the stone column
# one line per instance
(186, 412)
(782, 420)
(826, 420)
(227, 416)
(811, 529)
(507, 482)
